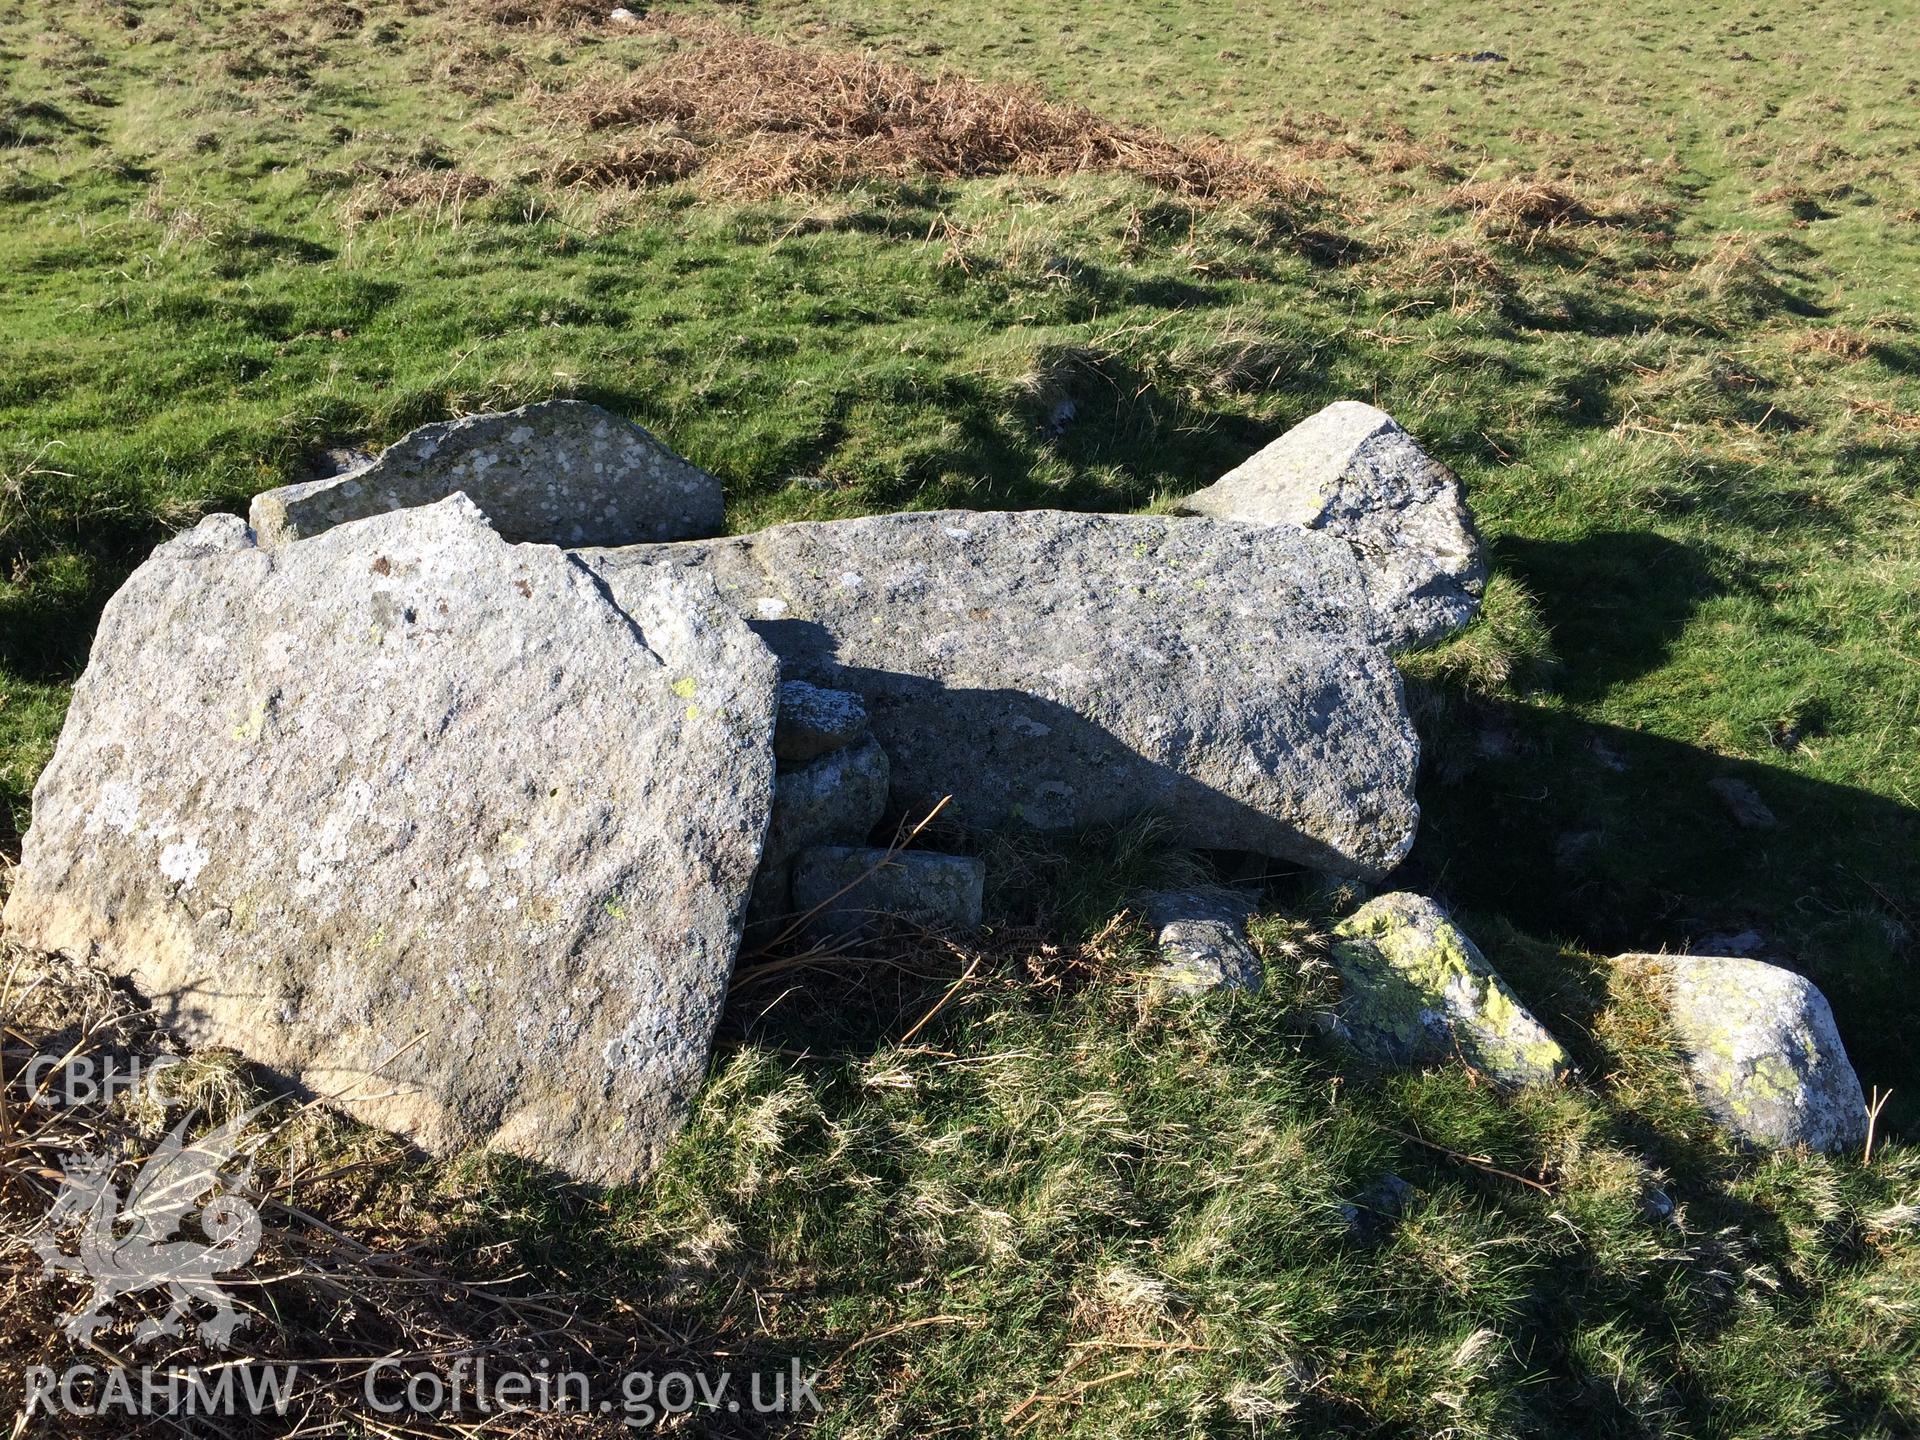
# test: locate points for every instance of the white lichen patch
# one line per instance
(117, 809)
(318, 863)
(182, 862)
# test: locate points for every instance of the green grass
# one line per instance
(1086, 1187)
(1063, 1209)
(1687, 415)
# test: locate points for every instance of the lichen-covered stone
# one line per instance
(420, 820)
(561, 472)
(941, 892)
(1352, 472)
(1059, 670)
(1416, 990)
(1762, 1048)
(813, 721)
(1202, 939)
(835, 799)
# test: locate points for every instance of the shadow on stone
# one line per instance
(1003, 780)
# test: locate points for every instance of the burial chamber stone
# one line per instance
(1351, 472)
(421, 820)
(561, 472)
(1060, 670)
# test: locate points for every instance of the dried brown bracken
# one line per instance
(770, 118)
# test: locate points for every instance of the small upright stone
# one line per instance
(814, 720)
(1743, 803)
(1762, 1048)
(1417, 990)
(1372, 1215)
(1202, 935)
(1352, 472)
(561, 473)
(942, 892)
(835, 799)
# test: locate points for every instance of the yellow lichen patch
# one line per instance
(1417, 990)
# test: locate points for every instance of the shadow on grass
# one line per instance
(46, 627)
(1615, 840)
(1615, 600)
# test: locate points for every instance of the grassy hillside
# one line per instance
(1644, 279)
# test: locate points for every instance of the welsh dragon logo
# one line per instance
(130, 1245)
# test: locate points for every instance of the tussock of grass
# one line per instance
(1526, 209)
(1739, 280)
(1507, 649)
(1460, 270)
(1835, 342)
(1521, 206)
(545, 14)
(1699, 390)
(438, 195)
(1246, 354)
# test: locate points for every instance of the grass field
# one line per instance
(1645, 280)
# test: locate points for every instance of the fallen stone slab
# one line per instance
(1762, 1049)
(853, 888)
(1417, 991)
(1202, 939)
(561, 472)
(1056, 670)
(421, 821)
(1351, 471)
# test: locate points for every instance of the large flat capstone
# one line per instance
(1061, 670)
(561, 472)
(421, 820)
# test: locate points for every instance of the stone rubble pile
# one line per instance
(449, 786)
(834, 793)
